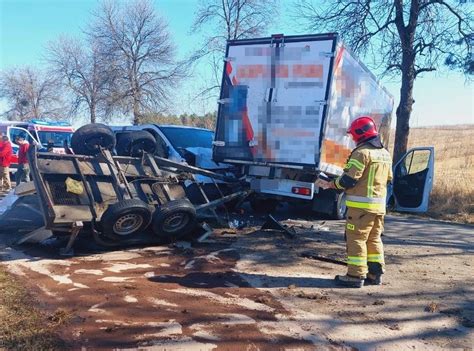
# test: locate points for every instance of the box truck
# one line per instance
(284, 108)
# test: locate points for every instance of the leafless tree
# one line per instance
(137, 43)
(404, 38)
(83, 71)
(223, 20)
(30, 94)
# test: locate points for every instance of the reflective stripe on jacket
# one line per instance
(365, 178)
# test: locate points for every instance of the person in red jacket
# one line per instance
(6, 154)
(23, 171)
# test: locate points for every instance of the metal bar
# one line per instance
(191, 169)
(153, 165)
(115, 179)
(322, 258)
(86, 187)
(46, 202)
(220, 201)
(76, 228)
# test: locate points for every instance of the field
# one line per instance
(453, 189)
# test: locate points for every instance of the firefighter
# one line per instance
(365, 178)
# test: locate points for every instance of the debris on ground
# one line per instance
(312, 296)
(272, 224)
(379, 303)
(432, 307)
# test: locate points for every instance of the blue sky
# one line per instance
(26, 26)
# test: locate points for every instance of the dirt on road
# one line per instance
(255, 290)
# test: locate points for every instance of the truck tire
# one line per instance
(340, 208)
(88, 139)
(126, 218)
(263, 206)
(136, 142)
(174, 220)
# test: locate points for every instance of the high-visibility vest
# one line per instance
(371, 169)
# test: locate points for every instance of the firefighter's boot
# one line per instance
(373, 279)
(349, 281)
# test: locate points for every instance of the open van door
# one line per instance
(14, 132)
(413, 180)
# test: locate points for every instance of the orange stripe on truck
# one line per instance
(334, 153)
(308, 71)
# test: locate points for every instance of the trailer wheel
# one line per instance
(88, 139)
(174, 220)
(340, 208)
(263, 206)
(136, 142)
(126, 218)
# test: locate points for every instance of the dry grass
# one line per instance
(22, 326)
(453, 189)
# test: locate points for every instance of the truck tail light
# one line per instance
(301, 191)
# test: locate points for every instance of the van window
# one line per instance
(57, 138)
(161, 148)
(182, 138)
(14, 133)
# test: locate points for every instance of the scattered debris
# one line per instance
(237, 224)
(315, 256)
(432, 307)
(394, 326)
(263, 299)
(313, 296)
(272, 224)
(379, 303)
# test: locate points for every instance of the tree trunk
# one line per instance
(93, 116)
(404, 109)
(136, 112)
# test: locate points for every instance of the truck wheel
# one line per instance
(88, 139)
(135, 143)
(263, 206)
(174, 220)
(126, 218)
(340, 208)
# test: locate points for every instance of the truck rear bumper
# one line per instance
(283, 187)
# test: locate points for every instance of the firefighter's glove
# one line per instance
(323, 184)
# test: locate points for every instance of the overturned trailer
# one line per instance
(116, 198)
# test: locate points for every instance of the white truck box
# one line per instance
(285, 105)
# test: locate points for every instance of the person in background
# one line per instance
(6, 154)
(23, 172)
(50, 146)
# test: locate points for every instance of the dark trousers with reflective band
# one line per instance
(364, 243)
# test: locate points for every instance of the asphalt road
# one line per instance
(254, 290)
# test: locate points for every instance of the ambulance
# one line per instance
(47, 135)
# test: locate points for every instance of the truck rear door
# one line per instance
(273, 100)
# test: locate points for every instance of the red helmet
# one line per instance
(362, 129)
